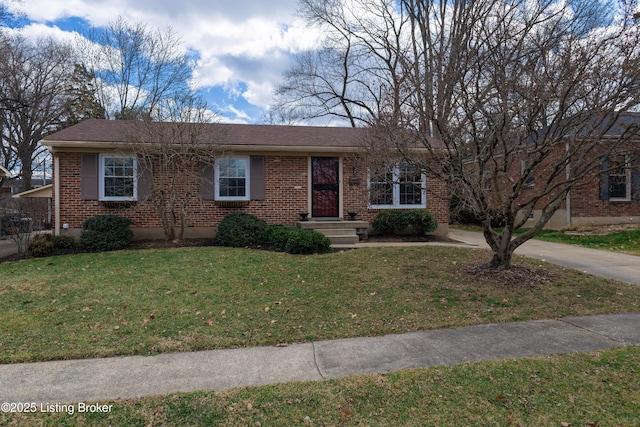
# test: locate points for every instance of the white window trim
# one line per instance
(396, 192)
(247, 195)
(627, 170)
(101, 195)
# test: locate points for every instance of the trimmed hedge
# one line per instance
(276, 236)
(306, 242)
(239, 229)
(396, 221)
(295, 240)
(105, 233)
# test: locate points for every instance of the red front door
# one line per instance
(325, 186)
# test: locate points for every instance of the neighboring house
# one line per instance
(611, 194)
(5, 173)
(273, 172)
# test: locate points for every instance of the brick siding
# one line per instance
(286, 195)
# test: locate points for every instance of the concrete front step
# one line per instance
(317, 225)
(339, 232)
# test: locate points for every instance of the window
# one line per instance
(232, 178)
(530, 181)
(118, 177)
(619, 178)
(398, 186)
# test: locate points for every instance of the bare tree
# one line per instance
(135, 68)
(357, 70)
(19, 218)
(33, 92)
(499, 93)
(171, 151)
(144, 76)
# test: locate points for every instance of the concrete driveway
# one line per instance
(7, 247)
(602, 263)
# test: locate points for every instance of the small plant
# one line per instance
(394, 221)
(239, 229)
(105, 233)
(303, 241)
(45, 244)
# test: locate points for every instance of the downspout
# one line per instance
(568, 197)
(56, 193)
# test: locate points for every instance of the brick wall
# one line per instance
(356, 194)
(286, 195)
(585, 198)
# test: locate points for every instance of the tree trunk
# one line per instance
(500, 245)
(502, 258)
(26, 173)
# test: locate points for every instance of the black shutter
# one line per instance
(89, 176)
(256, 175)
(207, 181)
(145, 179)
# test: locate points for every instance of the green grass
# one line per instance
(581, 389)
(624, 242)
(167, 300)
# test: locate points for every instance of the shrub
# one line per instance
(465, 216)
(239, 229)
(396, 221)
(276, 236)
(41, 245)
(105, 233)
(302, 241)
(44, 244)
(390, 221)
(421, 221)
(63, 242)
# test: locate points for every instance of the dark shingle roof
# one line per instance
(104, 132)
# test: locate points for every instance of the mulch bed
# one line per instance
(518, 276)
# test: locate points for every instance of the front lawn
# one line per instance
(167, 300)
(581, 389)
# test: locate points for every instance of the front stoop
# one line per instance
(340, 232)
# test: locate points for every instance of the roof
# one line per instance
(103, 133)
(625, 123)
(44, 191)
(97, 133)
(5, 172)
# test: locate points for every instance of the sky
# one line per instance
(243, 46)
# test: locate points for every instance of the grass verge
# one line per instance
(580, 389)
(167, 300)
(624, 241)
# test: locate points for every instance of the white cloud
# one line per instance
(259, 93)
(247, 42)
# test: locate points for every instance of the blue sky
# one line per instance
(243, 46)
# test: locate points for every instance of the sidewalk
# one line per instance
(137, 376)
(602, 263)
